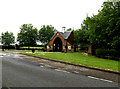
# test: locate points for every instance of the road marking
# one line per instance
(99, 79)
(76, 72)
(62, 70)
(41, 66)
(106, 80)
(93, 77)
(1, 56)
(66, 71)
(4, 54)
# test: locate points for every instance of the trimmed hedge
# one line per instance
(107, 53)
(8, 47)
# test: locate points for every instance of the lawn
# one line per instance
(79, 58)
(32, 47)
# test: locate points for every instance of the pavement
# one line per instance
(36, 72)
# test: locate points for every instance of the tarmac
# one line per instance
(73, 68)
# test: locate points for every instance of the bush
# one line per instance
(83, 46)
(8, 47)
(107, 53)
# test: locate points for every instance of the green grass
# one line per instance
(79, 58)
(32, 47)
(23, 50)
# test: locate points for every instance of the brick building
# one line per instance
(61, 42)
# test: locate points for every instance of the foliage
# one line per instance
(107, 52)
(83, 46)
(102, 29)
(45, 33)
(69, 29)
(78, 38)
(27, 35)
(7, 38)
(32, 47)
(8, 47)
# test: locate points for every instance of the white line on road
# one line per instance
(99, 79)
(76, 72)
(4, 54)
(93, 77)
(62, 70)
(106, 80)
(41, 66)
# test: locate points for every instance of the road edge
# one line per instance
(115, 72)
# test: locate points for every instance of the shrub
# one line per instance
(107, 53)
(83, 47)
(8, 47)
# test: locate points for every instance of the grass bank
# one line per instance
(33, 47)
(79, 58)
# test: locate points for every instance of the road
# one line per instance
(17, 72)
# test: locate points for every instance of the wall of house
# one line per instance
(50, 44)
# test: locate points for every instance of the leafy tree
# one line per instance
(27, 35)
(69, 29)
(78, 37)
(7, 38)
(45, 33)
(102, 29)
(0, 39)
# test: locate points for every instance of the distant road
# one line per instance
(17, 72)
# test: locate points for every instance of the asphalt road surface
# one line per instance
(17, 72)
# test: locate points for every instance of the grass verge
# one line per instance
(33, 47)
(79, 58)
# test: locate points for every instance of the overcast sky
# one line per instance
(59, 13)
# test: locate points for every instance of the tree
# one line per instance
(27, 35)
(102, 29)
(69, 29)
(78, 38)
(45, 33)
(7, 38)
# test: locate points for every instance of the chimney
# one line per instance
(63, 28)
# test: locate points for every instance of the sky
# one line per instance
(58, 13)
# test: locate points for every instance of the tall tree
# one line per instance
(7, 38)
(69, 29)
(27, 35)
(102, 29)
(45, 33)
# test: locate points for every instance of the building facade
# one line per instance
(61, 42)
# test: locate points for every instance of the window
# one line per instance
(69, 47)
(47, 47)
(63, 47)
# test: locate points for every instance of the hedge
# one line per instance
(107, 53)
(8, 47)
